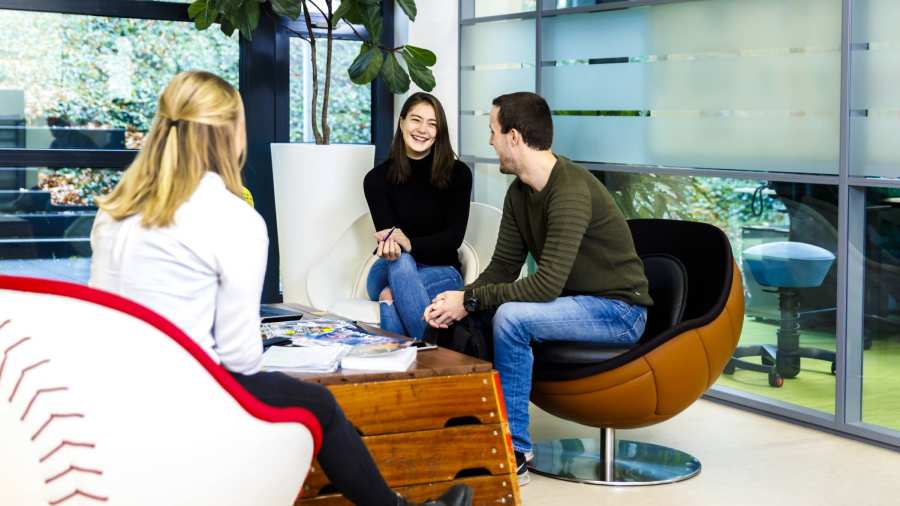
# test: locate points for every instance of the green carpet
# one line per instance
(814, 387)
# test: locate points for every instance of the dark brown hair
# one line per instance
(529, 114)
(444, 157)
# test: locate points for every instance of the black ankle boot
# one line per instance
(457, 495)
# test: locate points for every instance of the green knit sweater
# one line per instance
(576, 234)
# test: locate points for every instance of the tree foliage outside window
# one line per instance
(350, 106)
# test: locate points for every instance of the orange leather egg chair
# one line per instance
(692, 330)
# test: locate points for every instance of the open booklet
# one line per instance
(361, 350)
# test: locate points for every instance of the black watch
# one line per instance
(471, 304)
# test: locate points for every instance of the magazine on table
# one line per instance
(329, 332)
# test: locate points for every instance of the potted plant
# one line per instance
(318, 187)
(374, 59)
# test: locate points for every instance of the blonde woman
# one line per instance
(176, 236)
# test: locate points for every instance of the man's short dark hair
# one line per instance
(529, 114)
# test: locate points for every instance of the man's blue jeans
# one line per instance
(414, 286)
(580, 318)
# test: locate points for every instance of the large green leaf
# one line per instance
(227, 27)
(204, 14)
(248, 18)
(409, 7)
(289, 8)
(372, 20)
(394, 76)
(421, 55)
(367, 64)
(420, 74)
(342, 12)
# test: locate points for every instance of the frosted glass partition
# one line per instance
(875, 96)
(482, 8)
(495, 58)
(727, 84)
(489, 185)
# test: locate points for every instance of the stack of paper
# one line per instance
(313, 359)
(398, 360)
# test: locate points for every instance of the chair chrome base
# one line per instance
(632, 463)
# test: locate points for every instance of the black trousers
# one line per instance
(343, 456)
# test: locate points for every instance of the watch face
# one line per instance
(470, 304)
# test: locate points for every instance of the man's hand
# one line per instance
(445, 309)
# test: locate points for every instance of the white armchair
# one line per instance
(106, 402)
(337, 282)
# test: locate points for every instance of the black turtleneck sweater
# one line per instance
(434, 219)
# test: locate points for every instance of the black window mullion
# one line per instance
(55, 158)
(139, 9)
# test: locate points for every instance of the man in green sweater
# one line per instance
(589, 284)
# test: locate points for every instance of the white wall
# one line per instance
(436, 28)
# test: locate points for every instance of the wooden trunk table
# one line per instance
(439, 423)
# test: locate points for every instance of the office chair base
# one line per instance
(634, 463)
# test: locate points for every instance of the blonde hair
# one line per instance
(199, 122)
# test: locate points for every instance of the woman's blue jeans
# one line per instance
(580, 318)
(413, 286)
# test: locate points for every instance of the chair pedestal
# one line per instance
(781, 361)
(606, 461)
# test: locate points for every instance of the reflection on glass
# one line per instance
(495, 58)
(350, 105)
(725, 84)
(875, 100)
(489, 185)
(46, 217)
(75, 82)
(755, 214)
(881, 307)
(482, 8)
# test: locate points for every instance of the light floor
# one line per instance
(747, 459)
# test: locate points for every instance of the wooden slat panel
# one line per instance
(388, 407)
(429, 456)
(489, 491)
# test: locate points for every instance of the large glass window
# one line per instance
(46, 217)
(495, 58)
(350, 109)
(483, 8)
(875, 99)
(879, 263)
(87, 82)
(81, 82)
(754, 214)
(724, 84)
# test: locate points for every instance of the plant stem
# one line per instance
(315, 70)
(326, 131)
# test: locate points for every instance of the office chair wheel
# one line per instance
(775, 379)
(729, 368)
(833, 369)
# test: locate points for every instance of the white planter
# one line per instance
(318, 195)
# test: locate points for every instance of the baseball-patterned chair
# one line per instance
(692, 330)
(103, 401)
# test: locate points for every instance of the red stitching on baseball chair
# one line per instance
(104, 401)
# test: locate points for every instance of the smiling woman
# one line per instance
(422, 192)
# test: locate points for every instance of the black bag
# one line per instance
(472, 336)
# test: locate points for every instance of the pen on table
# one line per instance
(391, 231)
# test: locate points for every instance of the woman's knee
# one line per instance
(405, 264)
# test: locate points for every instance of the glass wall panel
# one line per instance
(495, 58)
(754, 214)
(78, 82)
(489, 185)
(875, 100)
(482, 8)
(350, 109)
(724, 84)
(46, 217)
(881, 307)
